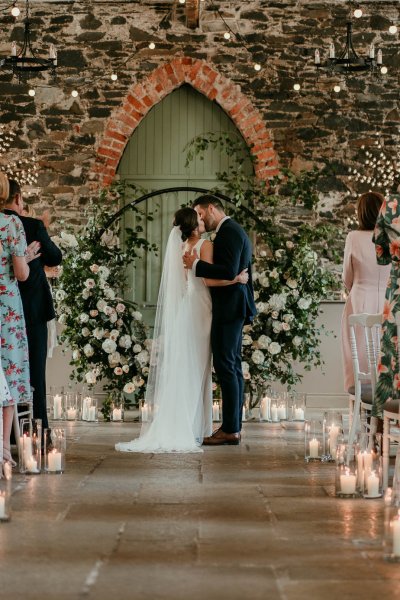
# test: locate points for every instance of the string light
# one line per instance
(152, 45)
(74, 93)
(393, 29)
(296, 87)
(257, 67)
(182, 1)
(114, 77)
(384, 70)
(15, 11)
(358, 13)
(227, 35)
(337, 88)
(31, 92)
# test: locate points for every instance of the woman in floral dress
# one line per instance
(387, 244)
(14, 345)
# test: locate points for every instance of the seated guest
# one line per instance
(364, 279)
(36, 298)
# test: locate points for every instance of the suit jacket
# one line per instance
(35, 291)
(232, 254)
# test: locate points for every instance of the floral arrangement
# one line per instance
(104, 331)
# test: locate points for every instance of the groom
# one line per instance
(232, 307)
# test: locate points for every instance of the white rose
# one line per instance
(295, 293)
(98, 333)
(101, 305)
(62, 319)
(289, 245)
(60, 295)
(278, 253)
(93, 313)
(68, 240)
(76, 354)
(89, 283)
(104, 272)
(137, 315)
(257, 357)
(264, 341)
(274, 348)
(263, 254)
(109, 293)
(129, 388)
(275, 314)
(143, 357)
(94, 268)
(288, 318)
(118, 371)
(145, 370)
(109, 346)
(285, 326)
(138, 381)
(264, 282)
(292, 283)
(88, 350)
(274, 274)
(125, 341)
(120, 307)
(90, 377)
(84, 318)
(114, 359)
(277, 326)
(113, 317)
(245, 367)
(297, 341)
(125, 368)
(87, 255)
(137, 348)
(114, 334)
(247, 340)
(85, 332)
(85, 294)
(304, 303)
(256, 295)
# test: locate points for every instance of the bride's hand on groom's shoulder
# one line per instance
(189, 258)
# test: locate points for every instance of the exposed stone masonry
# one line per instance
(96, 38)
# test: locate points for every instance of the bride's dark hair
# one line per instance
(186, 220)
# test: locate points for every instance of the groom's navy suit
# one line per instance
(232, 307)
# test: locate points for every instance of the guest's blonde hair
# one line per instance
(368, 207)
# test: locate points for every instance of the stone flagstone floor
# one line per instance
(237, 523)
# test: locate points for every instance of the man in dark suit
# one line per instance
(232, 306)
(36, 296)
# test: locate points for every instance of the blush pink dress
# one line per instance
(366, 283)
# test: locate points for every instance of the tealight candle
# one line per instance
(347, 483)
(314, 448)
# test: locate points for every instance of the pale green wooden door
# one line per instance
(155, 159)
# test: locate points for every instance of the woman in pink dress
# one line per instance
(364, 279)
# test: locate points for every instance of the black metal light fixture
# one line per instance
(24, 62)
(348, 61)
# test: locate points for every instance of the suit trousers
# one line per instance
(226, 344)
(37, 343)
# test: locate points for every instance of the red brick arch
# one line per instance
(162, 81)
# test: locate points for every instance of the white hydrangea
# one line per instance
(263, 342)
(274, 348)
(98, 333)
(84, 318)
(86, 255)
(297, 340)
(257, 357)
(125, 341)
(277, 302)
(109, 293)
(68, 240)
(88, 350)
(104, 273)
(109, 346)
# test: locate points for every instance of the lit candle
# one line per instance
(57, 407)
(265, 409)
(117, 414)
(314, 448)
(54, 461)
(347, 483)
(92, 413)
(85, 408)
(379, 57)
(2, 506)
(367, 461)
(274, 413)
(372, 51)
(7, 470)
(243, 413)
(396, 535)
(215, 411)
(282, 411)
(145, 413)
(53, 53)
(14, 49)
(31, 465)
(360, 470)
(298, 414)
(373, 485)
(71, 414)
(317, 57)
(331, 50)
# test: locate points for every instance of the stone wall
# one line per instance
(96, 38)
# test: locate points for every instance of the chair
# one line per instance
(363, 390)
(390, 414)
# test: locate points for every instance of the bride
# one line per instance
(179, 388)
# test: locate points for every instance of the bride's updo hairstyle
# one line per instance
(186, 220)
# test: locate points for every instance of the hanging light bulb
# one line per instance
(296, 87)
(337, 89)
(393, 29)
(227, 35)
(152, 45)
(384, 70)
(74, 93)
(31, 92)
(257, 67)
(15, 11)
(358, 13)
(114, 77)
(182, 1)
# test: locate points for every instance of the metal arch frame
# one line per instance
(169, 190)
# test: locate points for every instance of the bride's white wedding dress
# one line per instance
(179, 389)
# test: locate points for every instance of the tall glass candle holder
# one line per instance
(265, 407)
(296, 406)
(346, 470)
(282, 404)
(369, 465)
(313, 441)
(89, 409)
(57, 406)
(333, 428)
(216, 411)
(144, 412)
(30, 446)
(55, 445)
(71, 406)
(391, 537)
(117, 409)
(5, 500)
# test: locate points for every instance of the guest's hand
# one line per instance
(32, 251)
(189, 258)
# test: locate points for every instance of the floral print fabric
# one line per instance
(387, 245)
(14, 344)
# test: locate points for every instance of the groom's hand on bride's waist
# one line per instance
(189, 258)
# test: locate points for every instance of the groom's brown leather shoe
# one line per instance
(220, 438)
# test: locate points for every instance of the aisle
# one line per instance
(250, 522)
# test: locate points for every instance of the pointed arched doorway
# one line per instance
(154, 158)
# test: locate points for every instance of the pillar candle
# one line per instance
(373, 485)
(347, 483)
(2, 506)
(333, 436)
(71, 414)
(31, 465)
(215, 411)
(282, 411)
(92, 413)
(85, 408)
(57, 410)
(396, 535)
(265, 409)
(145, 413)
(274, 413)
(54, 461)
(117, 414)
(243, 413)
(314, 448)
(298, 414)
